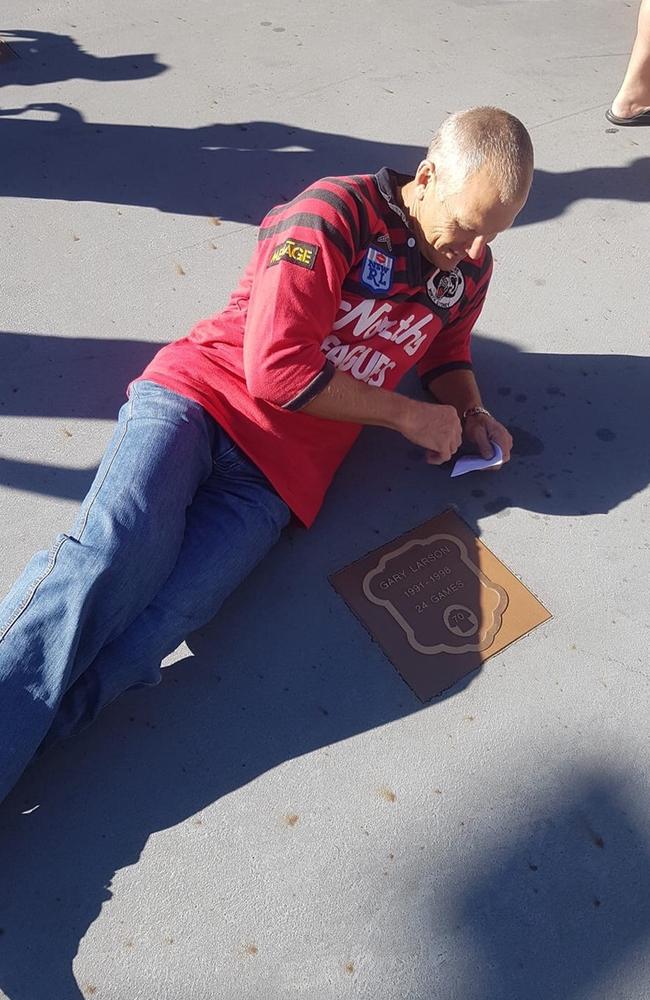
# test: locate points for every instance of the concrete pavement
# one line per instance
(281, 818)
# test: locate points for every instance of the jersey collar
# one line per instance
(389, 183)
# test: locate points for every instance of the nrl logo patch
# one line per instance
(296, 252)
(377, 271)
(446, 287)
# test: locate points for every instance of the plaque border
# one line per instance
(496, 612)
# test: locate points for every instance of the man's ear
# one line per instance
(423, 177)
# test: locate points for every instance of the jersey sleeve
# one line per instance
(304, 252)
(451, 349)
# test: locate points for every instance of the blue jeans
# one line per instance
(176, 518)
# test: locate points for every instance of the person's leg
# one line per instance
(634, 96)
(84, 592)
(235, 518)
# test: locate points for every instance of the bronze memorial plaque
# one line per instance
(438, 602)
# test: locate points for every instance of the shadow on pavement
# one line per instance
(68, 378)
(552, 193)
(579, 439)
(47, 57)
(42, 375)
(285, 669)
(555, 908)
(235, 171)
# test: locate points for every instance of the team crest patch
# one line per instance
(377, 271)
(296, 252)
(446, 288)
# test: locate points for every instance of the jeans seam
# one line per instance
(22, 607)
(28, 598)
(118, 445)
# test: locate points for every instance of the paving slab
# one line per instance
(282, 818)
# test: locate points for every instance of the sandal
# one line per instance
(643, 118)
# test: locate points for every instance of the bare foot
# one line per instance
(624, 107)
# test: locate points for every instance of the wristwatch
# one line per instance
(474, 411)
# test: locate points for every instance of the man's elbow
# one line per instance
(263, 388)
(287, 394)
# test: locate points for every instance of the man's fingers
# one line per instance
(483, 443)
(503, 439)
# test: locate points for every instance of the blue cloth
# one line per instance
(175, 519)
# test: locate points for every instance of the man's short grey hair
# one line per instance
(483, 137)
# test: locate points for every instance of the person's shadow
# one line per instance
(552, 193)
(577, 447)
(64, 379)
(558, 900)
(235, 171)
(285, 669)
(47, 57)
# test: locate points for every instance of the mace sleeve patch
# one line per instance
(296, 252)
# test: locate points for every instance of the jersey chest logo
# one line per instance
(377, 270)
(446, 287)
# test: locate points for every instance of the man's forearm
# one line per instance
(458, 389)
(435, 428)
(345, 398)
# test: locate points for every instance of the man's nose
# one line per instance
(477, 247)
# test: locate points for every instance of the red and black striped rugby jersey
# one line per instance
(336, 282)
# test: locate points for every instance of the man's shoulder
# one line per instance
(333, 193)
(343, 210)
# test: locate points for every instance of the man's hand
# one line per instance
(434, 427)
(481, 430)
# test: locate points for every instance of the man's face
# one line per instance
(460, 224)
